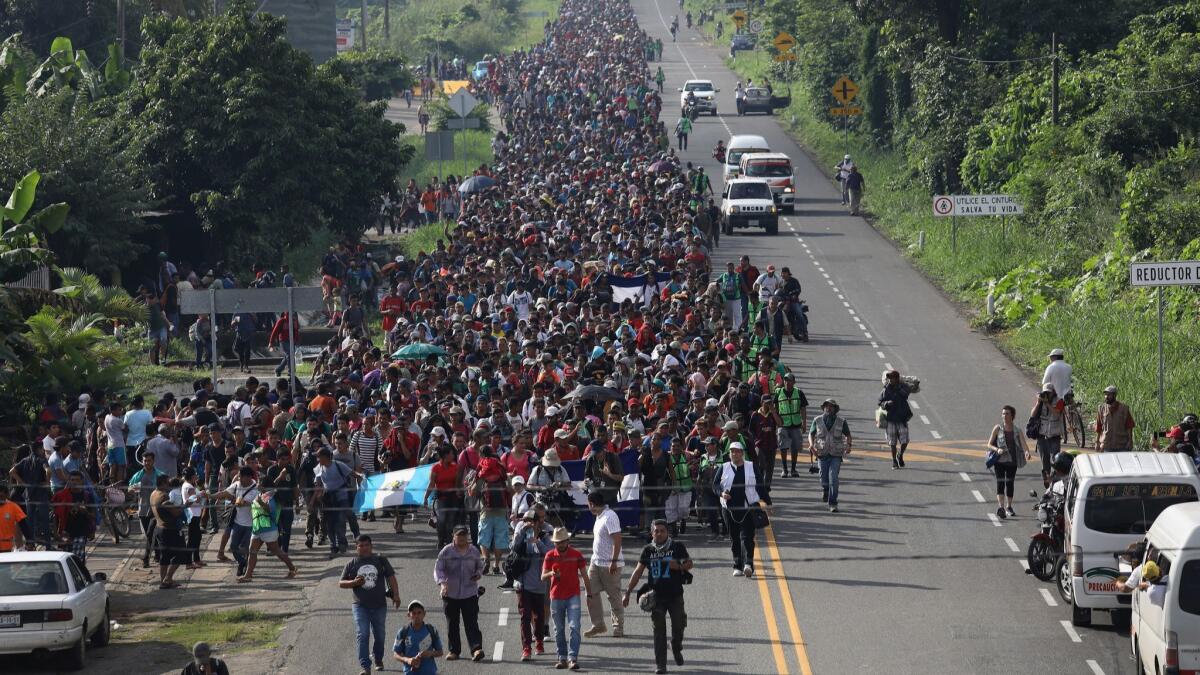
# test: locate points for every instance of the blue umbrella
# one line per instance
(418, 350)
(476, 184)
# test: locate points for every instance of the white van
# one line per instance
(1165, 630)
(739, 145)
(776, 169)
(1112, 500)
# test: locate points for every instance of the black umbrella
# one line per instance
(476, 184)
(595, 392)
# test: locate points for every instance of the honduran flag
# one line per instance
(394, 488)
(629, 496)
(640, 289)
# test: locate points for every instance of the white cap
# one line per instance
(437, 431)
(736, 446)
(84, 399)
(1056, 352)
(552, 410)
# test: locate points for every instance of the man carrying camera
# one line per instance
(669, 566)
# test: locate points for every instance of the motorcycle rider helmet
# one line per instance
(1062, 462)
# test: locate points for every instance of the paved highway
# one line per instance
(914, 575)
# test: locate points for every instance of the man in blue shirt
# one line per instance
(418, 643)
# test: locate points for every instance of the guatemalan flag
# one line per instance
(394, 488)
(629, 497)
(640, 289)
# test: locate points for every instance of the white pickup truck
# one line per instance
(748, 202)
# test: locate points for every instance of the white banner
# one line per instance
(976, 205)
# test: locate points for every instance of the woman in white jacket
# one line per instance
(740, 488)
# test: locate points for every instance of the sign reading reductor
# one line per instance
(1168, 273)
(976, 205)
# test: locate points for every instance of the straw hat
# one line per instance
(561, 534)
(551, 458)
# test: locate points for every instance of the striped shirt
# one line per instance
(366, 449)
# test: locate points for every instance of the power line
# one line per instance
(993, 61)
(1127, 90)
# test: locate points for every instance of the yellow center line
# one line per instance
(781, 665)
(788, 607)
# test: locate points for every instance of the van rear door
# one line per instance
(1185, 615)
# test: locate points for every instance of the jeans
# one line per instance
(468, 610)
(532, 607)
(334, 514)
(658, 617)
(148, 526)
(193, 540)
(447, 512)
(1048, 447)
(239, 545)
(473, 526)
(38, 513)
(287, 516)
(566, 617)
(203, 351)
(368, 620)
(831, 466)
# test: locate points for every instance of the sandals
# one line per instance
(168, 585)
(245, 579)
(292, 573)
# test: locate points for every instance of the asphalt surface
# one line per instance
(913, 575)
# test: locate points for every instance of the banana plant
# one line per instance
(22, 235)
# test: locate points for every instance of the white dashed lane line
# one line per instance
(978, 496)
(924, 419)
(1024, 564)
(995, 521)
(1048, 598)
(887, 366)
(1070, 631)
(935, 435)
(914, 405)
(965, 476)
(498, 652)
(881, 355)
(868, 335)
(503, 620)
(1096, 669)
(1012, 545)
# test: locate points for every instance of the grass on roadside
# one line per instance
(534, 30)
(1107, 344)
(149, 380)
(471, 148)
(424, 238)
(228, 631)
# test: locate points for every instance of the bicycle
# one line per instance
(114, 513)
(1074, 420)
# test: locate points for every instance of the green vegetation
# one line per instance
(1114, 181)
(236, 630)
(377, 74)
(472, 29)
(471, 148)
(424, 238)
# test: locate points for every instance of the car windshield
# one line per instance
(769, 170)
(1116, 508)
(735, 156)
(42, 577)
(757, 93)
(698, 86)
(749, 191)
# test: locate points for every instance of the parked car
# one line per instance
(740, 42)
(49, 602)
(757, 99)
(480, 70)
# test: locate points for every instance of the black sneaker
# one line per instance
(833, 508)
(825, 495)
(895, 464)
(900, 458)
(678, 657)
(1010, 512)
(1000, 512)
(378, 664)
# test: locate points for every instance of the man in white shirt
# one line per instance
(767, 284)
(604, 571)
(521, 302)
(1058, 373)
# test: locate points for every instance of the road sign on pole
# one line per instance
(1160, 274)
(464, 123)
(462, 102)
(844, 90)
(739, 18)
(785, 56)
(756, 26)
(213, 301)
(976, 205)
(784, 41)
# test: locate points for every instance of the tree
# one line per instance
(378, 74)
(244, 133)
(78, 149)
(23, 236)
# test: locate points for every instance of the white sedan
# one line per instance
(50, 602)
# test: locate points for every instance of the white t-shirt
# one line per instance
(767, 285)
(247, 494)
(114, 428)
(607, 524)
(1058, 373)
(521, 302)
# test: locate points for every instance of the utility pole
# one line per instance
(364, 25)
(387, 21)
(1054, 79)
(121, 30)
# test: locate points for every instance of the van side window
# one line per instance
(1072, 487)
(1189, 587)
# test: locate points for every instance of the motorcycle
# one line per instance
(690, 111)
(1046, 546)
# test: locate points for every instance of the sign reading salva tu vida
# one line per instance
(1169, 273)
(976, 205)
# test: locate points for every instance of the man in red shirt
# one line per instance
(563, 568)
(280, 336)
(391, 307)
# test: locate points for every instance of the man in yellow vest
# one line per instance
(793, 409)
